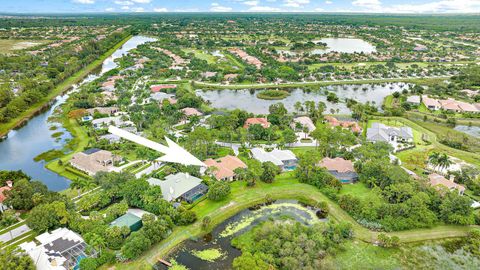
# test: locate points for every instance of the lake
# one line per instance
(344, 45)
(247, 100)
(222, 235)
(473, 130)
(22, 145)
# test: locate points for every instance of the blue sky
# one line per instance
(375, 6)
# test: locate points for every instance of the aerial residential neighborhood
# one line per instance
(243, 135)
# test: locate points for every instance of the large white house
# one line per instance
(61, 249)
(284, 159)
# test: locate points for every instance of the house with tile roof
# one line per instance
(437, 180)
(352, 125)
(256, 121)
(305, 122)
(341, 168)
(94, 160)
(224, 167)
(3, 196)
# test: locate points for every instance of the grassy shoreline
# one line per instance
(210, 86)
(58, 90)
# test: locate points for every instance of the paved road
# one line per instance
(14, 233)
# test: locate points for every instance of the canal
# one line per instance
(40, 135)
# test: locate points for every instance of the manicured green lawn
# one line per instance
(202, 55)
(359, 190)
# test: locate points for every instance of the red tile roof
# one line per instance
(257, 121)
(337, 164)
(159, 87)
(225, 166)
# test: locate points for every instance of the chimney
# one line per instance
(452, 178)
(9, 183)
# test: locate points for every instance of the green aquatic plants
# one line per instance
(273, 94)
(210, 255)
(273, 209)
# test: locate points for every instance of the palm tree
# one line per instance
(433, 159)
(444, 161)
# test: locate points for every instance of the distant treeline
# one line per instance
(433, 22)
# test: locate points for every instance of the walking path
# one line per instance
(12, 234)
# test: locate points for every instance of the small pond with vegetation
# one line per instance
(472, 130)
(215, 248)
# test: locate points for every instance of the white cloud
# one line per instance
(295, 3)
(110, 9)
(370, 4)
(142, 1)
(318, 10)
(160, 9)
(84, 1)
(124, 3)
(216, 7)
(328, 2)
(251, 3)
(138, 9)
(263, 9)
(125, 8)
(443, 6)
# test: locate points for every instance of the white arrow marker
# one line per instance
(173, 152)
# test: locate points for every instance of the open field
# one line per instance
(284, 187)
(62, 87)
(11, 45)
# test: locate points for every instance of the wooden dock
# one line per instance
(165, 262)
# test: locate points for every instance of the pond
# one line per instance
(247, 100)
(222, 235)
(25, 143)
(344, 45)
(473, 130)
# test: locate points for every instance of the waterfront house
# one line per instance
(341, 168)
(223, 168)
(414, 100)
(103, 110)
(180, 186)
(352, 125)
(3, 196)
(114, 120)
(191, 112)
(284, 159)
(93, 160)
(305, 122)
